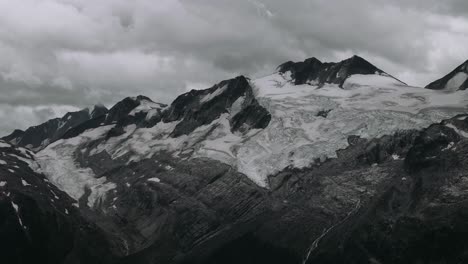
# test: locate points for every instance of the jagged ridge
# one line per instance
(38, 137)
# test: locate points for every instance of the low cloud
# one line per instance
(69, 54)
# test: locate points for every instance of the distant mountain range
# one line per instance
(315, 163)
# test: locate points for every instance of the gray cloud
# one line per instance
(57, 55)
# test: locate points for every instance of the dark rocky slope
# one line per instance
(38, 223)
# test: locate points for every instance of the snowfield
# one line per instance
(309, 123)
(57, 162)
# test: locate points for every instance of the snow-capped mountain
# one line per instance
(294, 167)
(455, 80)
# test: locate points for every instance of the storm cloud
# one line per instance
(63, 55)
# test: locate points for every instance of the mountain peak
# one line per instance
(455, 80)
(313, 71)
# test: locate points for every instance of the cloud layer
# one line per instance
(59, 55)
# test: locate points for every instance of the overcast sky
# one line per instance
(62, 55)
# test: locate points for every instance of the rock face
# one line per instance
(455, 80)
(201, 107)
(38, 137)
(316, 72)
(153, 183)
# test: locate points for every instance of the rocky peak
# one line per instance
(124, 107)
(303, 71)
(455, 80)
(313, 71)
(201, 107)
(14, 137)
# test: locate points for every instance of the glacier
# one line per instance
(309, 124)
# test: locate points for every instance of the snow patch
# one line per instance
(31, 163)
(212, 95)
(449, 146)
(459, 131)
(145, 106)
(25, 183)
(4, 145)
(456, 81)
(16, 207)
(370, 80)
(154, 180)
(58, 164)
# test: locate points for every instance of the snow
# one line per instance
(25, 183)
(456, 81)
(3, 183)
(16, 207)
(212, 95)
(151, 113)
(58, 164)
(31, 163)
(4, 145)
(395, 157)
(154, 180)
(449, 146)
(145, 106)
(237, 106)
(459, 131)
(55, 195)
(370, 80)
(2, 162)
(368, 106)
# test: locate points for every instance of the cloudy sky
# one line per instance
(62, 55)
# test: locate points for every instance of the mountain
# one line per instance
(356, 167)
(38, 137)
(455, 80)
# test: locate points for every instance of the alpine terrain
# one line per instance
(316, 163)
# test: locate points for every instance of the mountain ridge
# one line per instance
(37, 137)
(313, 71)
